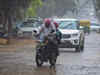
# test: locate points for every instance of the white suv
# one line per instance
(72, 36)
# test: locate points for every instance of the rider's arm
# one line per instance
(41, 29)
(53, 27)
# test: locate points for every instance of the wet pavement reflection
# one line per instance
(22, 62)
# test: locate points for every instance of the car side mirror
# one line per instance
(35, 34)
(34, 31)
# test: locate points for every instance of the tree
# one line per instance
(97, 8)
(32, 8)
(55, 7)
(14, 8)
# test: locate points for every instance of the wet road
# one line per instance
(22, 61)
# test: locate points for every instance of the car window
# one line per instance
(68, 25)
(31, 24)
(27, 24)
(37, 24)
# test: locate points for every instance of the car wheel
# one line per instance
(52, 61)
(19, 34)
(38, 61)
(82, 46)
(78, 47)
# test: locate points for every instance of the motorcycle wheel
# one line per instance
(39, 62)
(52, 61)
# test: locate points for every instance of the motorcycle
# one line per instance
(46, 51)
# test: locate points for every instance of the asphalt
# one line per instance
(20, 60)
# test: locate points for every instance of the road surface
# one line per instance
(22, 61)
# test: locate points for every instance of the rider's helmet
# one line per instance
(47, 22)
(56, 24)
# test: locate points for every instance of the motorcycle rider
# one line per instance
(48, 47)
(46, 28)
(58, 36)
(58, 33)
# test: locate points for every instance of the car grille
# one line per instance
(66, 36)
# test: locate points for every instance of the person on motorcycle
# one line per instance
(58, 33)
(46, 28)
(49, 51)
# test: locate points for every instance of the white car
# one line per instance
(27, 28)
(72, 36)
(95, 27)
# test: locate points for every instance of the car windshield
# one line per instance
(31, 24)
(68, 25)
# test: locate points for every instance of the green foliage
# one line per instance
(31, 11)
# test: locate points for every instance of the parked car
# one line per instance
(26, 28)
(95, 27)
(72, 36)
(33, 19)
